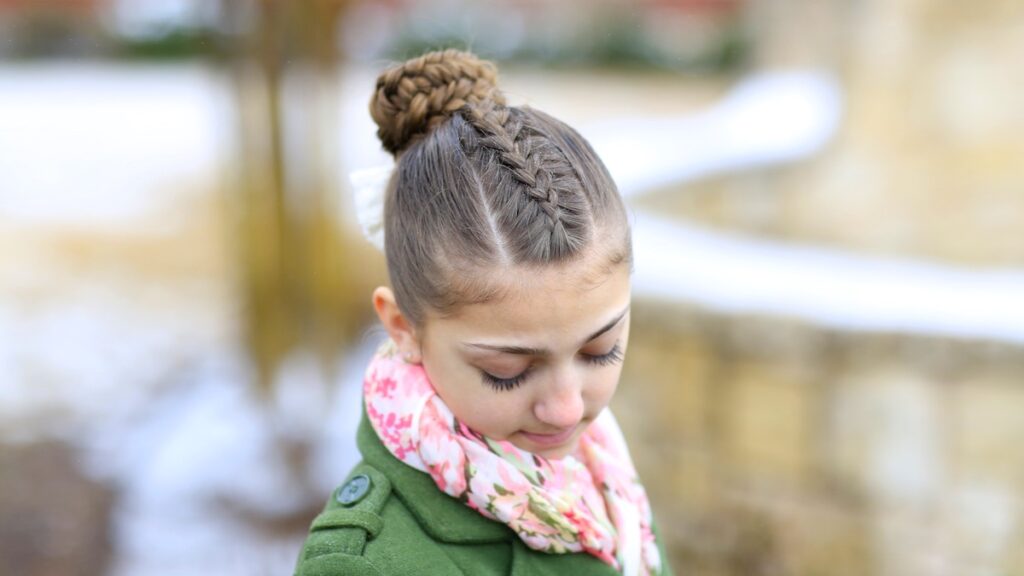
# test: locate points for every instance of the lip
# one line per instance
(548, 440)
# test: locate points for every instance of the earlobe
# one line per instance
(396, 324)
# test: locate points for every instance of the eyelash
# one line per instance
(502, 384)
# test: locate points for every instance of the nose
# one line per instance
(561, 406)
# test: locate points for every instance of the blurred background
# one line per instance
(826, 370)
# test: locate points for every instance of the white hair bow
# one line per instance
(369, 185)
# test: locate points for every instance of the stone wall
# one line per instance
(773, 447)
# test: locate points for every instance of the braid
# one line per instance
(523, 155)
(414, 97)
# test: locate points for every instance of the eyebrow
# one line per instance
(527, 351)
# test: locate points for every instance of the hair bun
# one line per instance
(413, 97)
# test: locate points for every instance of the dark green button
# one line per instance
(354, 490)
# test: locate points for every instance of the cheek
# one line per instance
(496, 417)
(492, 413)
(604, 386)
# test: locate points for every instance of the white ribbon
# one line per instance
(369, 185)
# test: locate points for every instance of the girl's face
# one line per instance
(537, 366)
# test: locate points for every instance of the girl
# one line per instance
(487, 444)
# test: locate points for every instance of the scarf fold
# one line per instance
(590, 501)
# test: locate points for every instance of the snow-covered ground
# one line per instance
(92, 145)
(101, 148)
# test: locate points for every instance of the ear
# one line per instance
(396, 324)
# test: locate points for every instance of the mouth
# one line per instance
(550, 440)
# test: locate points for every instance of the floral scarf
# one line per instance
(590, 501)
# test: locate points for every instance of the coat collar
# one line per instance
(444, 518)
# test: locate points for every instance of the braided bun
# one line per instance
(413, 97)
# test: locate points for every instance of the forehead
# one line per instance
(536, 304)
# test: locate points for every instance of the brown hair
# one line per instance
(479, 184)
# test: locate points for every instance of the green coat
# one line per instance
(397, 522)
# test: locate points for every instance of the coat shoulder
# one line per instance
(338, 536)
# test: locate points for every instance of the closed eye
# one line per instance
(503, 384)
(613, 356)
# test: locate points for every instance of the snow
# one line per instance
(733, 274)
(106, 146)
(769, 118)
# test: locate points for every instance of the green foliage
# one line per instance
(176, 43)
(616, 42)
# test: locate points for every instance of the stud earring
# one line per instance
(407, 357)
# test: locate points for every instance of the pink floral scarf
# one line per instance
(590, 501)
